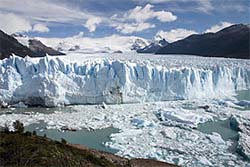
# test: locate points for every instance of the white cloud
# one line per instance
(44, 11)
(135, 20)
(92, 23)
(40, 28)
(175, 34)
(11, 23)
(51, 12)
(218, 27)
(141, 14)
(152, 1)
(128, 28)
(205, 5)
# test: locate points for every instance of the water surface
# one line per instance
(93, 139)
(243, 95)
(220, 126)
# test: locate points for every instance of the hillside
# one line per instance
(231, 42)
(40, 49)
(9, 45)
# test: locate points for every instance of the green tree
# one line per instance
(6, 128)
(63, 141)
(34, 133)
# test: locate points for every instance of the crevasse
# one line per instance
(53, 82)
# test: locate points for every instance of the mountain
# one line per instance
(36, 45)
(138, 44)
(74, 48)
(109, 44)
(231, 42)
(153, 46)
(41, 50)
(9, 45)
(22, 46)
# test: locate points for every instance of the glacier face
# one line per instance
(58, 81)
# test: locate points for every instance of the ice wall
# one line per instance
(52, 82)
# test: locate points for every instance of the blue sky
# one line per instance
(172, 19)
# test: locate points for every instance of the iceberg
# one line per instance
(54, 81)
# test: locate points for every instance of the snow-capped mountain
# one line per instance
(110, 44)
(153, 47)
(36, 45)
(9, 45)
(74, 48)
(138, 44)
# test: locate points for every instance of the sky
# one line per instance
(150, 19)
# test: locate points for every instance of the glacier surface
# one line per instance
(93, 79)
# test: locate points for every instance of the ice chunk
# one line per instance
(243, 103)
(20, 105)
(216, 138)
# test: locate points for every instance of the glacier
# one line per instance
(57, 81)
(166, 98)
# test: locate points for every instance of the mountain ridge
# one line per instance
(230, 42)
(153, 47)
(10, 45)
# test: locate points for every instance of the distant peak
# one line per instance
(158, 37)
(18, 35)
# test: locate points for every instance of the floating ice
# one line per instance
(243, 124)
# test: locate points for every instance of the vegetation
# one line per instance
(18, 126)
(63, 141)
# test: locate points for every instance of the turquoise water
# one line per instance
(221, 126)
(224, 129)
(93, 139)
(243, 95)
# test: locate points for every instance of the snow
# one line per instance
(93, 79)
(108, 44)
(182, 118)
(216, 138)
